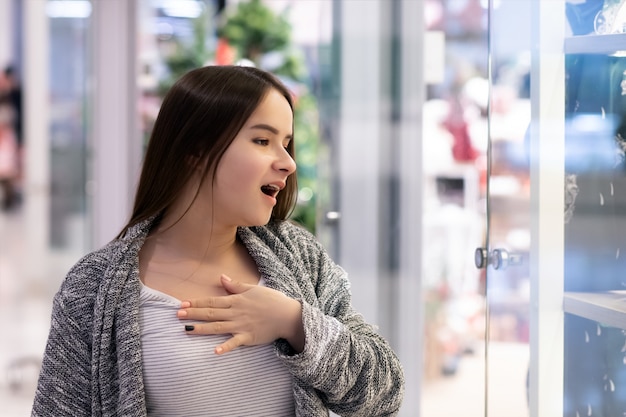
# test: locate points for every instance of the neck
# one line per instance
(190, 231)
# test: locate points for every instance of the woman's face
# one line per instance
(255, 166)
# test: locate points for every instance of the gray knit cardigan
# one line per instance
(93, 363)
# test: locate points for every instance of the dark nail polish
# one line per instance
(189, 327)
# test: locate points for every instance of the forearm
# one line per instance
(294, 328)
(351, 365)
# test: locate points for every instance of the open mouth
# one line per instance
(270, 190)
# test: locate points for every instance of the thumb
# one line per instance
(233, 287)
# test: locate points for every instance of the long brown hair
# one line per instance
(199, 118)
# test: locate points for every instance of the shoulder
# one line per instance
(119, 254)
(82, 282)
(293, 245)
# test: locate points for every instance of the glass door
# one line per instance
(505, 258)
(555, 342)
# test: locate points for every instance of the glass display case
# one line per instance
(574, 148)
(555, 280)
(595, 195)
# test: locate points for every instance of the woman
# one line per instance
(210, 303)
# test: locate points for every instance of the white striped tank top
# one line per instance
(184, 377)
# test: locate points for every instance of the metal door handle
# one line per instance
(498, 259)
(481, 256)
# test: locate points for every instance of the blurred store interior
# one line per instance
(391, 130)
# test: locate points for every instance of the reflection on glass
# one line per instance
(454, 165)
(69, 75)
(595, 233)
(611, 18)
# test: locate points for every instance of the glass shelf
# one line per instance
(595, 44)
(607, 308)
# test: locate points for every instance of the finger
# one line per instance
(204, 314)
(234, 287)
(216, 327)
(229, 345)
(208, 302)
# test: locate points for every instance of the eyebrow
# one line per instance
(269, 128)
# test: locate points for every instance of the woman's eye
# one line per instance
(263, 142)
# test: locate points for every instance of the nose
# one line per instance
(285, 162)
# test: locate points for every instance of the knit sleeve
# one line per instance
(64, 381)
(64, 386)
(351, 366)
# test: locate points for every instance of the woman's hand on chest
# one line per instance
(252, 314)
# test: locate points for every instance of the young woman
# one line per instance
(209, 302)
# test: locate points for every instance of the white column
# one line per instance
(547, 223)
(36, 185)
(409, 326)
(6, 34)
(116, 139)
(359, 136)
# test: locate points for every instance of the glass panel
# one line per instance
(508, 272)
(595, 196)
(454, 223)
(69, 76)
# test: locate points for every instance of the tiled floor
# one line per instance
(463, 394)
